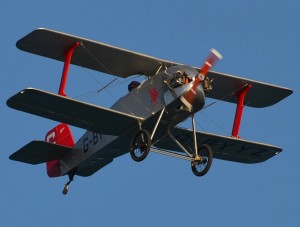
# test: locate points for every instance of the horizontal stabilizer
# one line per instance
(37, 152)
(70, 111)
(224, 147)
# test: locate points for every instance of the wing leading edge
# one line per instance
(80, 114)
(225, 148)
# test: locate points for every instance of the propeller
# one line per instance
(212, 58)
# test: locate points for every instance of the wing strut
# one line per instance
(68, 57)
(239, 110)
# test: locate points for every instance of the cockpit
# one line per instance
(179, 78)
(180, 75)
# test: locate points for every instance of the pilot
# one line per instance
(133, 84)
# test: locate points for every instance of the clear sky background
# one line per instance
(258, 39)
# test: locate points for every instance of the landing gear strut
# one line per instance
(142, 141)
(201, 158)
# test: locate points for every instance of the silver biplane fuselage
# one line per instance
(160, 91)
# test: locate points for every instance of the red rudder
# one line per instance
(60, 135)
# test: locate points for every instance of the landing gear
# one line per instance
(71, 175)
(142, 141)
(202, 162)
(201, 158)
(140, 145)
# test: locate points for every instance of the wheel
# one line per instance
(140, 145)
(200, 167)
(66, 189)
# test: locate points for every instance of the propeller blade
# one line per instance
(212, 58)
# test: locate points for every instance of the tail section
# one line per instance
(60, 135)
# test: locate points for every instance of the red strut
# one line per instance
(64, 76)
(239, 111)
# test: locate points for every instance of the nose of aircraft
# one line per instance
(190, 97)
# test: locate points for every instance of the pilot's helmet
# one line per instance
(133, 84)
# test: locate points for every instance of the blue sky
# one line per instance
(258, 39)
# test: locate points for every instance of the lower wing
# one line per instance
(70, 111)
(224, 147)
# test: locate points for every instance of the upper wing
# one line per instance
(93, 55)
(225, 148)
(80, 114)
(37, 152)
(261, 94)
(123, 63)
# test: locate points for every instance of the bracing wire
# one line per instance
(103, 87)
(97, 60)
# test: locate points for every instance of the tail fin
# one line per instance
(60, 135)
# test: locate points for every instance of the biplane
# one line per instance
(143, 120)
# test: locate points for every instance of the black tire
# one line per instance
(140, 145)
(200, 168)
